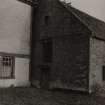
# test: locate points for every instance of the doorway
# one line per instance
(45, 76)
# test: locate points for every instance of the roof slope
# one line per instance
(30, 2)
(96, 26)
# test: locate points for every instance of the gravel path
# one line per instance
(32, 96)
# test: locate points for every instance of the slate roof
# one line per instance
(96, 26)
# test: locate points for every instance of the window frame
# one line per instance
(12, 76)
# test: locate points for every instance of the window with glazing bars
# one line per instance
(6, 66)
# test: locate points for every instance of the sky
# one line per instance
(95, 8)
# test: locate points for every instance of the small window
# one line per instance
(46, 20)
(104, 73)
(47, 50)
(6, 66)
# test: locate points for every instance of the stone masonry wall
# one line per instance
(70, 62)
(70, 46)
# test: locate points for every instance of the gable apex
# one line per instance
(96, 26)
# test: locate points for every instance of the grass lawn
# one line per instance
(32, 96)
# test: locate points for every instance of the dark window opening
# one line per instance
(47, 50)
(104, 73)
(46, 20)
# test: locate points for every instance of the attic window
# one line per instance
(46, 20)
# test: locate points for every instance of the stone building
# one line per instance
(67, 48)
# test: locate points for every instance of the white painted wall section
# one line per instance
(21, 74)
(15, 21)
(15, 25)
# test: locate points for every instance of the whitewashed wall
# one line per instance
(14, 26)
(15, 20)
(21, 74)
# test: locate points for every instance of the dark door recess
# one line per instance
(45, 76)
